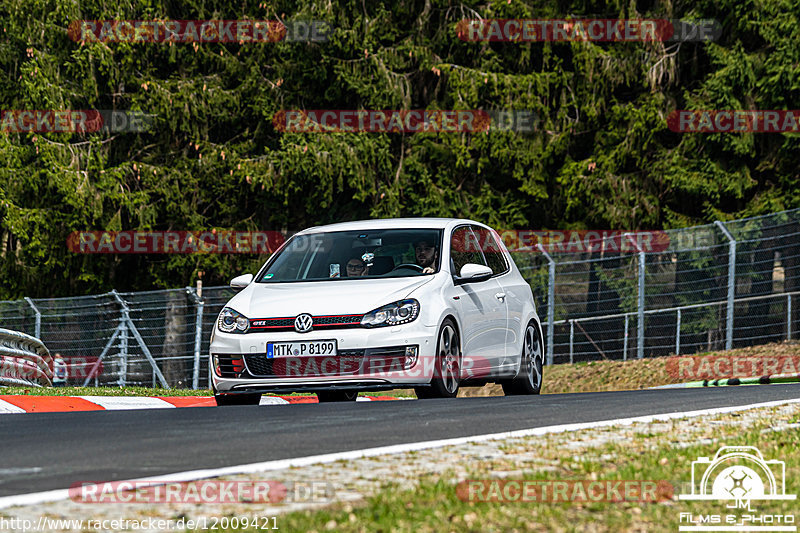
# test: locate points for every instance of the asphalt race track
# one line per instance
(43, 451)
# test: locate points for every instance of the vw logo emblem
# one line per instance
(303, 323)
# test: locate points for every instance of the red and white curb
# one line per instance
(54, 404)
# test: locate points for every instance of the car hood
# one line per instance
(343, 297)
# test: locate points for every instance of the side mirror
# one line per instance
(472, 272)
(240, 282)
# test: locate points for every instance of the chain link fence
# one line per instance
(153, 338)
(712, 287)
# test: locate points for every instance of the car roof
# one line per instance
(391, 223)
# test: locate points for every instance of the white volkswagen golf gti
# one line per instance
(424, 303)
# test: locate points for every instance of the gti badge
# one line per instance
(303, 323)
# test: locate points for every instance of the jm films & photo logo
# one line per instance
(737, 476)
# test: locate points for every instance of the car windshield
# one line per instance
(343, 255)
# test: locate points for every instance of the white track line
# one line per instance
(272, 400)
(6, 407)
(114, 403)
(266, 466)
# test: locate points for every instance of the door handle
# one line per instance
(500, 296)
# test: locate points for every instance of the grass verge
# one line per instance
(435, 506)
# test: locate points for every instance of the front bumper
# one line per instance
(366, 359)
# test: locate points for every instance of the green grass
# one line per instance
(434, 505)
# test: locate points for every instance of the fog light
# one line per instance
(216, 365)
(411, 356)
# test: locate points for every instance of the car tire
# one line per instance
(447, 370)
(237, 399)
(337, 396)
(529, 377)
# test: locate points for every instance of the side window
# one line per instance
(464, 248)
(492, 250)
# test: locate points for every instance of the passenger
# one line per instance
(356, 268)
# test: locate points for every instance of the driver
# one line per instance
(356, 268)
(426, 255)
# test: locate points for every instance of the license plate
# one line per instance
(300, 349)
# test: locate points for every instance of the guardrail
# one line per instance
(24, 360)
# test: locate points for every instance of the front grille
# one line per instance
(389, 359)
(338, 320)
(278, 324)
(322, 321)
(347, 362)
(389, 351)
(259, 365)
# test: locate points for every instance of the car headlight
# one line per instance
(231, 321)
(392, 314)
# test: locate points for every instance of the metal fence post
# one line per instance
(731, 283)
(678, 335)
(551, 301)
(37, 327)
(640, 319)
(198, 335)
(571, 338)
(788, 317)
(123, 351)
(625, 340)
(640, 307)
(126, 319)
(123, 346)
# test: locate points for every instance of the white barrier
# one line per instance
(24, 360)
